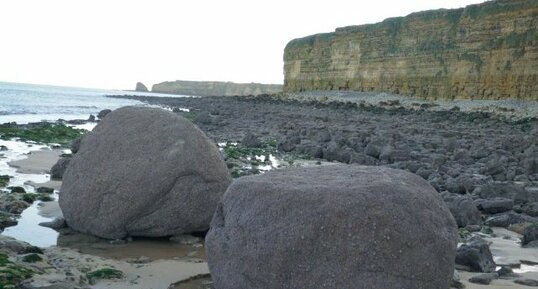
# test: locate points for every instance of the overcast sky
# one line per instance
(114, 44)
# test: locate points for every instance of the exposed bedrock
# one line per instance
(143, 172)
(484, 51)
(338, 226)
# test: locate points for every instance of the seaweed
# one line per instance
(41, 133)
(12, 275)
(105, 273)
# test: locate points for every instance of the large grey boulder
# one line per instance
(143, 172)
(338, 226)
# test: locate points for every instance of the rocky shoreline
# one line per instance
(478, 161)
(483, 164)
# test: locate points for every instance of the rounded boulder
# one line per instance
(143, 172)
(337, 226)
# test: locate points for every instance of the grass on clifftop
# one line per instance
(41, 133)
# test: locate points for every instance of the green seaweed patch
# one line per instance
(464, 234)
(17, 190)
(12, 275)
(43, 197)
(32, 258)
(486, 230)
(29, 198)
(105, 273)
(41, 133)
(4, 180)
(237, 152)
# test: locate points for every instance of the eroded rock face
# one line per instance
(334, 226)
(485, 51)
(143, 172)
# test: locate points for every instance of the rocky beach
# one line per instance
(401, 154)
(478, 161)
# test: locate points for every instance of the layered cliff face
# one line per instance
(214, 88)
(485, 51)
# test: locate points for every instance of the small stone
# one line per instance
(530, 234)
(484, 279)
(527, 282)
(103, 113)
(506, 272)
(56, 224)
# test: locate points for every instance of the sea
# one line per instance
(24, 103)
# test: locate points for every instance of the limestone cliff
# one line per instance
(484, 51)
(141, 87)
(215, 88)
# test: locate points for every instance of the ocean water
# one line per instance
(23, 103)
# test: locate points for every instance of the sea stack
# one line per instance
(141, 87)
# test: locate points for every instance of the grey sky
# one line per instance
(114, 43)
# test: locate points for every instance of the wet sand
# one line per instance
(37, 162)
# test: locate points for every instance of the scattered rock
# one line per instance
(530, 234)
(203, 118)
(508, 218)
(75, 145)
(494, 205)
(103, 113)
(56, 224)
(44, 190)
(251, 141)
(483, 279)
(530, 209)
(527, 282)
(170, 172)
(57, 171)
(462, 208)
(332, 226)
(456, 281)
(476, 256)
(506, 272)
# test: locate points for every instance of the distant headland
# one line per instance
(211, 88)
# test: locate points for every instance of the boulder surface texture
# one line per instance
(337, 226)
(143, 172)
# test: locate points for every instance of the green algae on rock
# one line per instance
(11, 274)
(42, 132)
(105, 273)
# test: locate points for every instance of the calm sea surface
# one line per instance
(23, 103)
